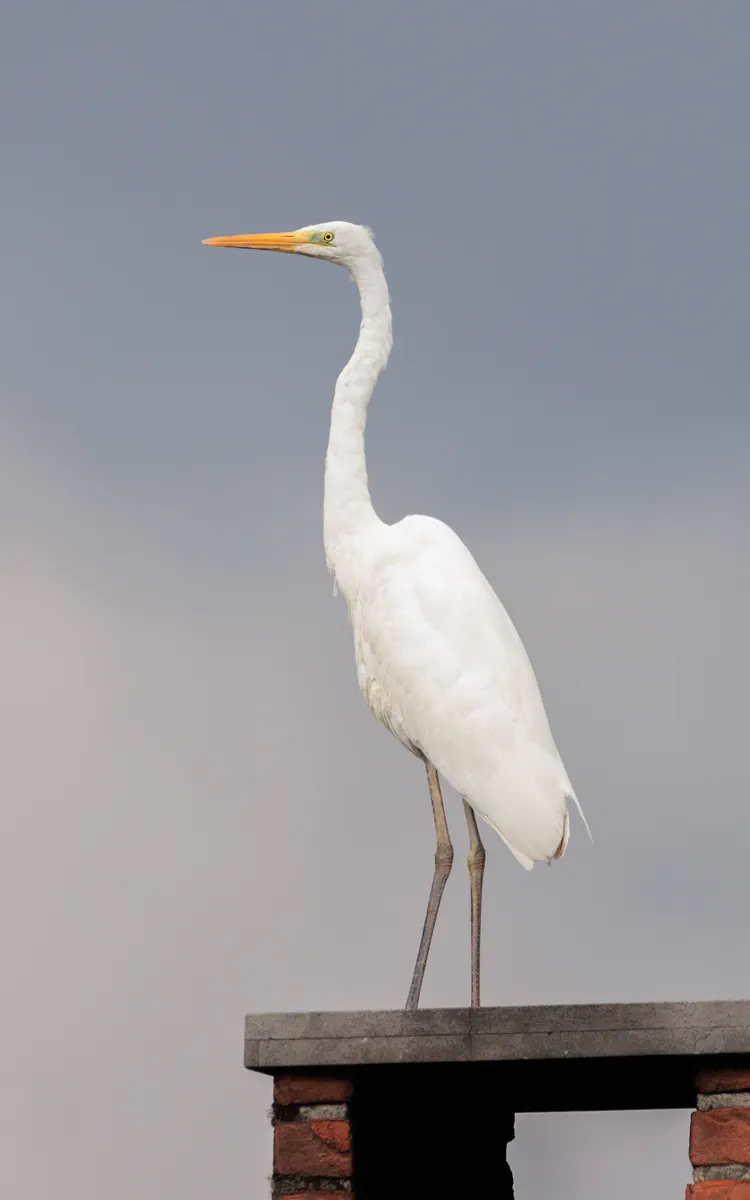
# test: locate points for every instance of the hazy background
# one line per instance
(199, 816)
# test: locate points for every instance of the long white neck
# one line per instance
(348, 514)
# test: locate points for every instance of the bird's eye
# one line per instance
(328, 237)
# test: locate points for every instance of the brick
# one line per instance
(718, 1189)
(723, 1079)
(720, 1136)
(313, 1148)
(310, 1089)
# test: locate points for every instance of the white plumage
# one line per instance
(441, 665)
(439, 661)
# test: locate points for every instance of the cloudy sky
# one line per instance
(199, 816)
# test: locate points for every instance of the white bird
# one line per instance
(439, 660)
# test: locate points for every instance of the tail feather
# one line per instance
(564, 839)
(566, 826)
(528, 863)
(572, 796)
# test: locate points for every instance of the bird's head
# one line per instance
(334, 241)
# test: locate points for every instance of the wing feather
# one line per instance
(442, 666)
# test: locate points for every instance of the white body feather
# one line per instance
(439, 660)
(440, 663)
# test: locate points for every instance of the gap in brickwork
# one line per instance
(587, 1156)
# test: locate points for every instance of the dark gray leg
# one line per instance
(476, 876)
(443, 864)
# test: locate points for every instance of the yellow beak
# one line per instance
(261, 241)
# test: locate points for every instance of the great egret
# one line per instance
(439, 661)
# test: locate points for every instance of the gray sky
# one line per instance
(199, 816)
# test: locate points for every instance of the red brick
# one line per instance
(720, 1136)
(718, 1189)
(723, 1079)
(310, 1089)
(313, 1148)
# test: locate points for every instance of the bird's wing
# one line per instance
(442, 665)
